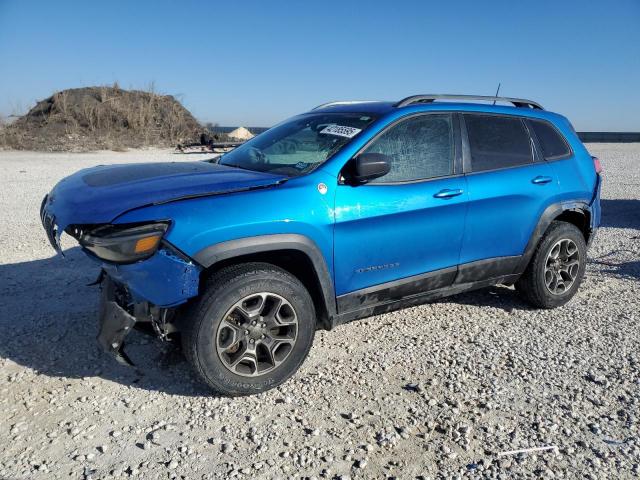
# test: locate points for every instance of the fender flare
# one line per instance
(549, 214)
(215, 253)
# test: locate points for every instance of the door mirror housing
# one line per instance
(368, 166)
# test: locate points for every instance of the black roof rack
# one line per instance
(518, 102)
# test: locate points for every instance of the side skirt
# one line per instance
(487, 269)
(419, 299)
(396, 290)
(425, 288)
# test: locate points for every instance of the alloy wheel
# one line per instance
(561, 266)
(257, 334)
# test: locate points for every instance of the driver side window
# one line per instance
(418, 148)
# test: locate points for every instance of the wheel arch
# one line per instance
(577, 213)
(294, 253)
(580, 217)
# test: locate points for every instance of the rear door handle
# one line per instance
(541, 180)
(447, 193)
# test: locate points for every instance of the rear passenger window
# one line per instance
(497, 142)
(552, 144)
(419, 148)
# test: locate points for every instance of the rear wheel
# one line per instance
(556, 268)
(251, 329)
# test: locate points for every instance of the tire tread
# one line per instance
(195, 313)
(529, 286)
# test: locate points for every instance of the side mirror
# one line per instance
(368, 166)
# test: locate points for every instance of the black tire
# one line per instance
(202, 323)
(532, 285)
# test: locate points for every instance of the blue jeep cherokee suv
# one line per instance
(350, 210)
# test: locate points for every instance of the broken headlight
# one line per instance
(123, 243)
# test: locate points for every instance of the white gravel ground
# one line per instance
(436, 391)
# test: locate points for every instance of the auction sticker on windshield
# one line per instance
(341, 131)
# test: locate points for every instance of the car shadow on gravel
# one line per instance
(48, 323)
(498, 296)
(620, 213)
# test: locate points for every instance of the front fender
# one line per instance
(297, 215)
(218, 252)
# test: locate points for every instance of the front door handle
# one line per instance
(541, 180)
(447, 193)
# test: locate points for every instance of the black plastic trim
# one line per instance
(466, 149)
(396, 289)
(419, 299)
(115, 323)
(480, 270)
(425, 287)
(458, 144)
(265, 243)
(548, 215)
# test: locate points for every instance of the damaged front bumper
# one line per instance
(115, 323)
(119, 314)
(164, 276)
(143, 277)
(142, 294)
(166, 279)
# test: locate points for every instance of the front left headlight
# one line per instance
(124, 243)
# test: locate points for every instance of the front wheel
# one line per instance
(556, 268)
(251, 329)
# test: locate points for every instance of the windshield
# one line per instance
(299, 145)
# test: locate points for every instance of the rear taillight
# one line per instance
(596, 164)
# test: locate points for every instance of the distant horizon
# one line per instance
(216, 126)
(268, 61)
(213, 126)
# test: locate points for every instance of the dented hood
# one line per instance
(100, 194)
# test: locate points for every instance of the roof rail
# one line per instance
(518, 102)
(345, 102)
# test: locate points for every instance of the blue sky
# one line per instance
(254, 63)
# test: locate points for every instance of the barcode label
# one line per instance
(341, 131)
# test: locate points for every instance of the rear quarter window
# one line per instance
(497, 142)
(552, 143)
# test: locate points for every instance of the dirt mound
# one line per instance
(96, 118)
(240, 133)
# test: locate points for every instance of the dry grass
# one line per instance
(102, 118)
